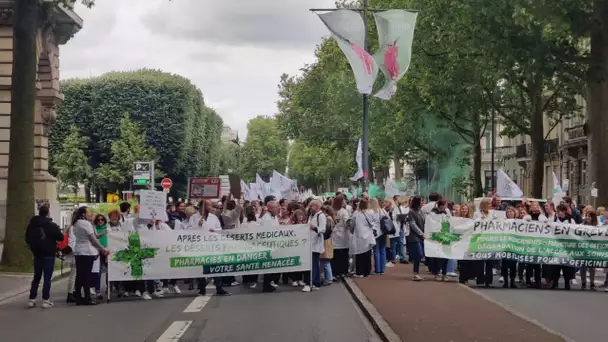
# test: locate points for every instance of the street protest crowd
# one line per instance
(357, 238)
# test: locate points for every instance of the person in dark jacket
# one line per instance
(416, 238)
(563, 216)
(42, 236)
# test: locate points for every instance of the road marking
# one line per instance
(197, 304)
(175, 331)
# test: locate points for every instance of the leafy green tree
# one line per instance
(72, 164)
(130, 148)
(265, 149)
(230, 158)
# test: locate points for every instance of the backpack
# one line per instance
(35, 238)
(328, 227)
(387, 226)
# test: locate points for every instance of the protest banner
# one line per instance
(182, 254)
(525, 241)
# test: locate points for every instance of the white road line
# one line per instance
(175, 331)
(197, 304)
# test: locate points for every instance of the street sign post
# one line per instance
(143, 174)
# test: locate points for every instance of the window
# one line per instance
(487, 140)
(488, 180)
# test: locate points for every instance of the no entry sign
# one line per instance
(166, 183)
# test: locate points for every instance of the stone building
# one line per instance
(67, 23)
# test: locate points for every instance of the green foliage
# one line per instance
(72, 163)
(231, 159)
(264, 150)
(168, 108)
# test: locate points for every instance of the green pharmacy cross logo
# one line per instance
(135, 255)
(445, 237)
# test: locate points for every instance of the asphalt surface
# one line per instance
(248, 315)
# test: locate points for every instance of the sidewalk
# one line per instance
(430, 311)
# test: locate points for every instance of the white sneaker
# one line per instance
(501, 279)
(92, 292)
(390, 264)
(295, 284)
(146, 296)
(301, 283)
(165, 290)
(124, 294)
(234, 283)
(306, 288)
(314, 288)
(31, 303)
(452, 274)
(606, 289)
(159, 294)
(438, 278)
(253, 285)
(416, 277)
(174, 289)
(138, 293)
(47, 304)
(273, 284)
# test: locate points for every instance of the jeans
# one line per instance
(326, 264)
(42, 266)
(395, 249)
(415, 249)
(401, 247)
(451, 266)
(316, 275)
(380, 254)
(84, 265)
(591, 271)
(202, 285)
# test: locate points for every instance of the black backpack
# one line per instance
(387, 226)
(36, 238)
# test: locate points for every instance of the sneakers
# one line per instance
(452, 274)
(390, 264)
(47, 304)
(301, 283)
(31, 303)
(253, 285)
(501, 279)
(295, 284)
(416, 277)
(138, 293)
(306, 288)
(146, 296)
(273, 284)
(438, 278)
(314, 288)
(159, 294)
(174, 289)
(234, 283)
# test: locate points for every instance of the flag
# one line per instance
(558, 193)
(348, 29)
(359, 160)
(281, 185)
(505, 187)
(395, 35)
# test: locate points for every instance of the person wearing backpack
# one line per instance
(42, 236)
(328, 254)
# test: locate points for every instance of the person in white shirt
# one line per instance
(210, 223)
(399, 215)
(271, 219)
(340, 238)
(86, 249)
(362, 241)
(317, 223)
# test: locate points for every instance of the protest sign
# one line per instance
(152, 205)
(182, 254)
(525, 241)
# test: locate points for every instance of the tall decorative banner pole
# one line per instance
(365, 138)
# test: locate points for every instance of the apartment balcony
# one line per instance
(523, 152)
(576, 136)
(499, 154)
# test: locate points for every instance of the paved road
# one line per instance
(577, 315)
(287, 315)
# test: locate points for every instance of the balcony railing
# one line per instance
(525, 150)
(575, 133)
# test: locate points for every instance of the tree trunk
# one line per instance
(20, 193)
(398, 168)
(597, 103)
(537, 137)
(477, 187)
(87, 192)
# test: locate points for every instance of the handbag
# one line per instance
(387, 226)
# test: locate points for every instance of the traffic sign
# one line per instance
(166, 183)
(143, 174)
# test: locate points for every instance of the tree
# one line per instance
(230, 158)
(264, 150)
(72, 163)
(130, 148)
(29, 16)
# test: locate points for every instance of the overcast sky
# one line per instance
(233, 50)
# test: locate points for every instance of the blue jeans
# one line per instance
(397, 249)
(401, 246)
(43, 266)
(380, 254)
(416, 253)
(326, 264)
(316, 275)
(451, 266)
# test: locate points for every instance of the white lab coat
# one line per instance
(317, 220)
(362, 239)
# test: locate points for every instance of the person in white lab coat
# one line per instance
(317, 223)
(210, 223)
(271, 219)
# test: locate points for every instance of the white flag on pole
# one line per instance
(359, 160)
(505, 187)
(558, 193)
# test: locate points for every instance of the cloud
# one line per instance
(238, 78)
(261, 23)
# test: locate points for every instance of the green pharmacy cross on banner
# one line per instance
(134, 255)
(445, 237)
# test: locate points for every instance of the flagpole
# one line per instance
(365, 138)
(492, 172)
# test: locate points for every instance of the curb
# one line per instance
(6, 296)
(516, 313)
(386, 333)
